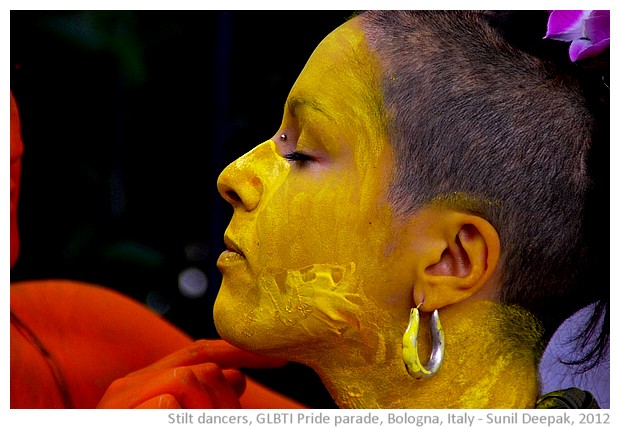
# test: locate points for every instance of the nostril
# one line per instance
(232, 197)
(240, 188)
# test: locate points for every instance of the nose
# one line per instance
(240, 185)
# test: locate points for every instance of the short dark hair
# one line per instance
(499, 124)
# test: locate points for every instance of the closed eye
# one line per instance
(298, 157)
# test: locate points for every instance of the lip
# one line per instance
(232, 246)
(232, 255)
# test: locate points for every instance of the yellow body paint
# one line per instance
(332, 212)
(314, 299)
(318, 268)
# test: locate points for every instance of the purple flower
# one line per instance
(587, 30)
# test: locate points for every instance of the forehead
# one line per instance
(341, 77)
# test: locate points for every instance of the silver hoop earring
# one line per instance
(410, 346)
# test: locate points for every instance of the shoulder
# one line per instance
(84, 336)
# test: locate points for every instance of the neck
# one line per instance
(490, 362)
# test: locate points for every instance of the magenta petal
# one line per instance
(583, 48)
(597, 26)
(577, 48)
(596, 13)
(566, 25)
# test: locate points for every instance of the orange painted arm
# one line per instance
(197, 376)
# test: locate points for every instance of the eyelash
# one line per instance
(298, 157)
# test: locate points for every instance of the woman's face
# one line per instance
(313, 246)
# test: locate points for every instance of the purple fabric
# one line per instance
(555, 375)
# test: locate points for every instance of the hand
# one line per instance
(201, 375)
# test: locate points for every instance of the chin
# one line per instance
(253, 328)
(235, 322)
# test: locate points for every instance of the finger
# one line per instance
(212, 379)
(161, 402)
(228, 356)
(216, 351)
(236, 380)
(129, 392)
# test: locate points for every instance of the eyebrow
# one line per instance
(295, 104)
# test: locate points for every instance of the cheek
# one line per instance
(304, 223)
(307, 222)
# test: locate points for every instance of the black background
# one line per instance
(128, 118)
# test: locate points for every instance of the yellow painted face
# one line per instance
(313, 245)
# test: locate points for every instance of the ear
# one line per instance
(456, 255)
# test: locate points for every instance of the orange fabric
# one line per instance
(94, 336)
